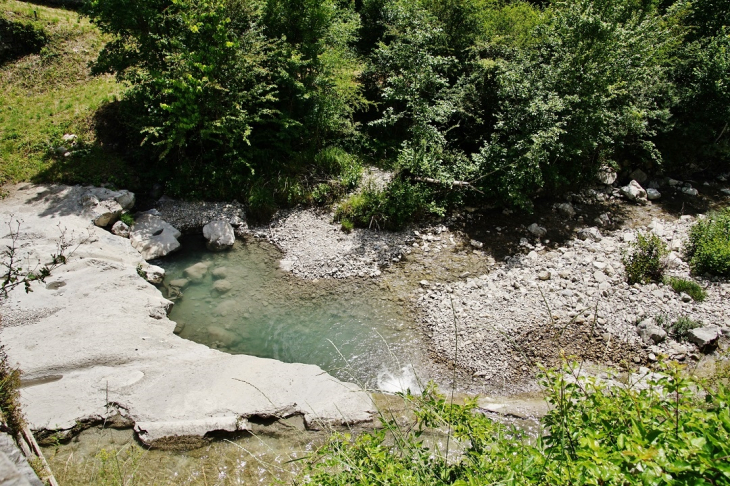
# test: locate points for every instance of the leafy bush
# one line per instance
(392, 208)
(693, 289)
(645, 263)
(623, 435)
(19, 39)
(680, 328)
(708, 247)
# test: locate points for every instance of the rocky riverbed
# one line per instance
(495, 293)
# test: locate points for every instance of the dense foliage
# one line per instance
(467, 100)
(708, 247)
(667, 430)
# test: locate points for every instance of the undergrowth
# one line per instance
(679, 328)
(708, 248)
(672, 430)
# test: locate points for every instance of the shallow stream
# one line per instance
(240, 302)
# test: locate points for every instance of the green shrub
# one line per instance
(127, 219)
(693, 289)
(708, 247)
(680, 328)
(392, 208)
(645, 263)
(18, 39)
(593, 435)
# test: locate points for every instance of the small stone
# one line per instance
(685, 297)
(652, 334)
(690, 191)
(197, 272)
(537, 230)
(220, 273)
(590, 234)
(603, 220)
(725, 191)
(120, 229)
(179, 283)
(222, 286)
(566, 210)
(653, 194)
(652, 357)
(476, 244)
(544, 275)
(424, 283)
(69, 137)
(599, 276)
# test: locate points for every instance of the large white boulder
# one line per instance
(153, 237)
(634, 192)
(219, 235)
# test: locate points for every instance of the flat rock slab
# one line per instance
(153, 237)
(96, 341)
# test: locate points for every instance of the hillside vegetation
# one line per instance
(278, 102)
(48, 92)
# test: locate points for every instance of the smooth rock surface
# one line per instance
(704, 337)
(153, 274)
(219, 236)
(103, 340)
(153, 237)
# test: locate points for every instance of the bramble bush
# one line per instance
(708, 246)
(672, 430)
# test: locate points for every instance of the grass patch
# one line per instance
(51, 93)
(678, 329)
(693, 289)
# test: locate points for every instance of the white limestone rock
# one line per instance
(153, 237)
(219, 235)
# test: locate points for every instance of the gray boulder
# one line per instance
(653, 194)
(704, 337)
(607, 176)
(537, 230)
(634, 192)
(650, 333)
(590, 234)
(153, 237)
(106, 212)
(219, 235)
(566, 210)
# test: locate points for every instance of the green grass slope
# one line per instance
(46, 95)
